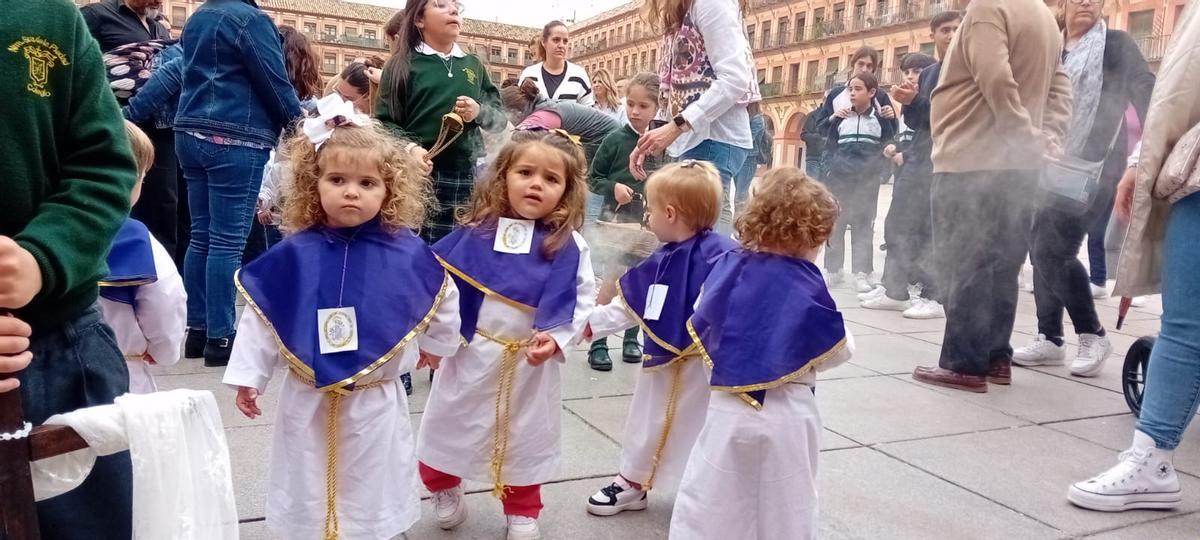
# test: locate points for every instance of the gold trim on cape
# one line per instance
(680, 355)
(135, 283)
(741, 390)
(482, 288)
(340, 386)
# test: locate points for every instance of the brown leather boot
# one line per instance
(951, 379)
(1000, 372)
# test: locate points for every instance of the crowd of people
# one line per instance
(511, 212)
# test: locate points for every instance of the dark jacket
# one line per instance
(1127, 80)
(916, 116)
(159, 98)
(113, 24)
(234, 80)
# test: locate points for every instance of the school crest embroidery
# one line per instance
(42, 57)
(470, 75)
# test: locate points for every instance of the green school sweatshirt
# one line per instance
(429, 95)
(67, 171)
(611, 167)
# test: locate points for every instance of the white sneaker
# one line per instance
(875, 293)
(1138, 302)
(862, 283)
(1098, 292)
(523, 528)
(885, 303)
(1093, 351)
(617, 497)
(449, 507)
(925, 309)
(835, 279)
(1145, 478)
(1042, 352)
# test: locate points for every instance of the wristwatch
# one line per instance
(681, 123)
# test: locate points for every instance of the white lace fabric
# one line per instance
(182, 483)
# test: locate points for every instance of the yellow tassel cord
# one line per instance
(508, 372)
(331, 519)
(332, 530)
(672, 402)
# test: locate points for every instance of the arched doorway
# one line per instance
(789, 149)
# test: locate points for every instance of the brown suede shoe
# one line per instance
(1000, 371)
(951, 379)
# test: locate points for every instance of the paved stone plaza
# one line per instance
(899, 460)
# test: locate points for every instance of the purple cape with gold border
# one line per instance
(683, 267)
(130, 263)
(392, 280)
(530, 282)
(764, 320)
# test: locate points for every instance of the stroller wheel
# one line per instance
(1133, 375)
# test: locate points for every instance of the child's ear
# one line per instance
(671, 214)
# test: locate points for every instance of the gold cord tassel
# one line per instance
(672, 402)
(331, 519)
(508, 371)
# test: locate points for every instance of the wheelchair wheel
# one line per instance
(1133, 375)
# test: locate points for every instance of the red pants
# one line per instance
(518, 501)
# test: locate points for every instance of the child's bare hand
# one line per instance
(247, 402)
(20, 276)
(541, 348)
(898, 159)
(430, 361)
(843, 113)
(887, 111)
(14, 350)
(467, 108)
(623, 193)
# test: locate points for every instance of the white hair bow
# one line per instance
(332, 112)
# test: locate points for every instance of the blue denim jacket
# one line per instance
(159, 98)
(234, 81)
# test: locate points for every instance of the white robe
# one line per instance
(647, 411)
(157, 326)
(378, 490)
(458, 425)
(752, 474)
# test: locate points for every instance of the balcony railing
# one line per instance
(343, 39)
(1153, 47)
(771, 89)
(895, 12)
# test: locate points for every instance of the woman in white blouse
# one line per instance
(557, 78)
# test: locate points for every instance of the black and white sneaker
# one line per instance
(617, 497)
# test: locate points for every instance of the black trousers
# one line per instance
(857, 192)
(908, 233)
(980, 236)
(1060, 280)
(158, 206)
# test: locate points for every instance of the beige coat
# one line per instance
(1174, 109)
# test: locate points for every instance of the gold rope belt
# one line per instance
(508, 372)
(672, 403)
(331, 427)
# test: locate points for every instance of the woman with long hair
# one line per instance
(301, 62)
(556, 78)
(608, 100)
(706, 84)
(431, 75)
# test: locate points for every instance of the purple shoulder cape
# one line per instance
(392, 280)
(763, 321)
(683, 267)
(130, 263)
(530, 282)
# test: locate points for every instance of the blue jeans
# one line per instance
(223, 182)
(78, 365)
(729, 161)
(1173, 376)
(741, 182)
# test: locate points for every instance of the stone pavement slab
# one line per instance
(867, 495)
(1038, 397)
(882, 409)
(1185, 527)
(1116, 434)
(1028, 470)
(894, 353)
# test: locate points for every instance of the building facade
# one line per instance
(342, 31)
(802, 47)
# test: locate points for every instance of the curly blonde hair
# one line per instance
(789, 214)
(408, 189)
(490, 201)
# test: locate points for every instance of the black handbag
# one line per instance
(1071, 183)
